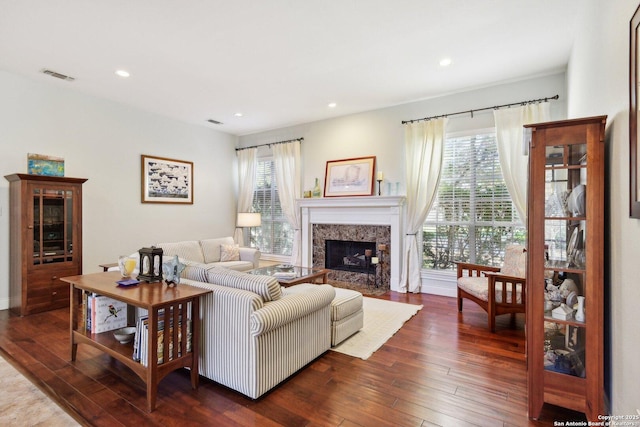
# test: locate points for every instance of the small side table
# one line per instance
(176, 305)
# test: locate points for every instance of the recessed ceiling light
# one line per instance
(238, 114)
(332, 105)
(122, 73)
(445, 62)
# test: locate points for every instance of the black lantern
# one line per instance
(150, 264)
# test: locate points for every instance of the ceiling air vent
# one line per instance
(57, 75)
(215, 122)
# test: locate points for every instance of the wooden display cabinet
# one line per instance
(565, 265)
(45, 240)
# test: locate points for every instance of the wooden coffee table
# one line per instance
(297, 274)
(182, 302)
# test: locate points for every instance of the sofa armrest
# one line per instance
(285, 310)
(250, 254)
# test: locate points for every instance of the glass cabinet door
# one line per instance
(565, 258)
(52, 225)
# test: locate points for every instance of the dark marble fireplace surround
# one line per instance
(380, 234)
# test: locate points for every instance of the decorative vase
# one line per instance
(580, 312)
(316, 189)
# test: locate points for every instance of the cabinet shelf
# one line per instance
(562, 266)
(572, 322)
(565, 218)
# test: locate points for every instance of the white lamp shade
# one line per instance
(249, 219)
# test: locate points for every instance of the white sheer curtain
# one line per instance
(513, 151)
(424, 147)
(246, 184)
(286, 159)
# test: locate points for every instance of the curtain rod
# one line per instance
(531, 101)
(270, 144)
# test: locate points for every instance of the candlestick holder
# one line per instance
(379, 186)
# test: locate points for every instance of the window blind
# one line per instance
(275, 235)
(473, 217)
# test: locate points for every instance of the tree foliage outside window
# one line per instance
(473, 217)
(275, 235)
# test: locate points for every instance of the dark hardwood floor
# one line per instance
(441, 368)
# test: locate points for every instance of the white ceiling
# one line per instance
(280, 62)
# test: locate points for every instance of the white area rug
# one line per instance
(24, 404)
(382, 319)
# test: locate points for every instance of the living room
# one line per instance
(102, 140)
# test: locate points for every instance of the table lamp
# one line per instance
(248, 220)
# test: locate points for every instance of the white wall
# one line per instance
(598, 83)
(102, 141)
(380, 133)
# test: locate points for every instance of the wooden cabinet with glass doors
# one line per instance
(565, 265)
(45, 240)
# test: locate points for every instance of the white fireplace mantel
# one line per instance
(368, 210)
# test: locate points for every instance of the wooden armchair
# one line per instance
(497, 290)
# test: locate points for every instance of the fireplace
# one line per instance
(347, 255)
(360, 219)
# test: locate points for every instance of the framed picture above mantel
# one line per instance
(166, 180)
(349, 177)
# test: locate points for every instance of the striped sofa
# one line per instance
(254, 336)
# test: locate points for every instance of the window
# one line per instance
(473, 217)
(275, 235)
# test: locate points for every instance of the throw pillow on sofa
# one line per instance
(229, 253)
(211, 248)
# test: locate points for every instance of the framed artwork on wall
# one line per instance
(166, 180)
(349, 177)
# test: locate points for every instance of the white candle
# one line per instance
(380, 176)
(374, 260)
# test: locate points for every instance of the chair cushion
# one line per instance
(477, 286)
(515, 261)
(211, 248)
(186, 250)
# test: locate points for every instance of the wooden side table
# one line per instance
(175, 305)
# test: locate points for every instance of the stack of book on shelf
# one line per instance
(102, 314)
(141, 338)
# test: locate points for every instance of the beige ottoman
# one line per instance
(346, 311)
(346, 315)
